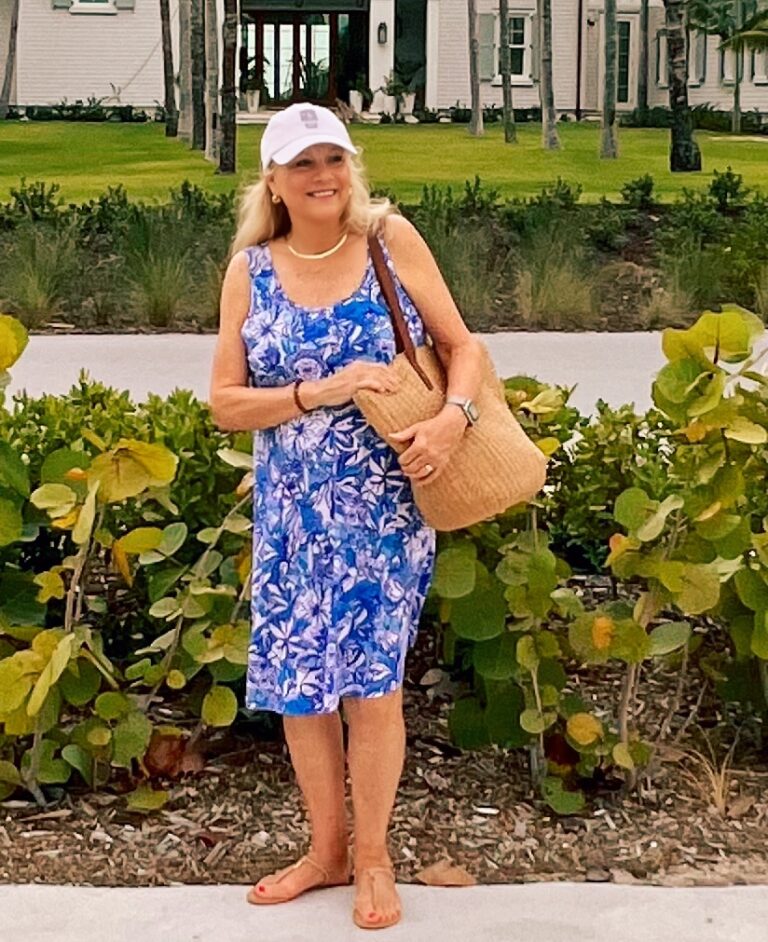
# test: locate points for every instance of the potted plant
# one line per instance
(392, 90)
(360, 96)
(412, 76)
(255, 87)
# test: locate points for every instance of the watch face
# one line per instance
(472, 411)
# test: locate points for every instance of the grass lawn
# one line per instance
(86, 158)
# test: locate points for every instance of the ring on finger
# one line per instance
(428, 468)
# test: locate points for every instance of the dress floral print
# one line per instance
(342, 558)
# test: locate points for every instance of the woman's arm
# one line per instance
(234, 405)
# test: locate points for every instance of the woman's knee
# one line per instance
(385, 707)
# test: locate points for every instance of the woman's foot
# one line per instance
(377, 903)
(307, 873)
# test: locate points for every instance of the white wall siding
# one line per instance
(75, 55)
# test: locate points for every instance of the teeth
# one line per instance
(323, 193)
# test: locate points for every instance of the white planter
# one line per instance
(389, 104)
(408, 100)
(356, 101)
(252, 100)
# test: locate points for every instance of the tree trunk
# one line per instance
(211, 81)
(10, 62)
(550, 137)
(510, 131)
(228, 88)
(738, 54)
(476, 122)
(642, 66)
(185, 70)
(609, 143)
(197, 31)
(684, 153)
(171, 114)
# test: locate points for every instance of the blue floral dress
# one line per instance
(342, 558)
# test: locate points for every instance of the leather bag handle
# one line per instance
(403, 342)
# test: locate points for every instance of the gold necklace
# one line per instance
(325, 254)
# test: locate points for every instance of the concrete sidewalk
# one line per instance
(540, 912)
(616, 367)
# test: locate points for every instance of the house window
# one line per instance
(662, 64)
(93, 6)
(727, 66)
(517, 45)
(622, 86)
(696, 47)
(759, 70)
(520, 44)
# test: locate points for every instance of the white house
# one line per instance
(321, 49)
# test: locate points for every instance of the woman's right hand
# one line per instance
(340, 387)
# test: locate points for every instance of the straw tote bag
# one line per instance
(494, 466)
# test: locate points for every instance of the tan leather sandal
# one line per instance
(357, 916)
(262, 893)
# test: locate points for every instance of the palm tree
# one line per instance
(476, 121)
(510, 132)
(549, 137)
(197, 45)
(684, 153)
(228, 88)
(211, 80)
(10, 61)
(642, 65)
(185, 70)
(171, 114)
(609, 142)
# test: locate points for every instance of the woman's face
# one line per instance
(315, 185)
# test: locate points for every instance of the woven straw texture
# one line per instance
(495, 465)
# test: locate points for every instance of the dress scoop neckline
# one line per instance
(319, 309)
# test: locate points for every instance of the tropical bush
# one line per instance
(546, 262)
(125, 554)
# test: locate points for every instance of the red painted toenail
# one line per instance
(371, 915)
(260, 889)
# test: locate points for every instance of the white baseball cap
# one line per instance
(299, 126)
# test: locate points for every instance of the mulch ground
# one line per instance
(241, 815)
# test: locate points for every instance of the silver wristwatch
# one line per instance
(467, 407)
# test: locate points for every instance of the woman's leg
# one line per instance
(376, 752)
(316, 747)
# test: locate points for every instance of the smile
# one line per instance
(322, 194)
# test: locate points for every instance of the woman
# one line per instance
(342, 558)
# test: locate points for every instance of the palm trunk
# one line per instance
(550, 137)
(10, 62)
(476, 122)
(609, 143)
(738, 54)
(642, 66)
(197, 31)
(211, 81)
(185, 70)
(171, 114)
(684, 153)
(510, 131)
(228, 89)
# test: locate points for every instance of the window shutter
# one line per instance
(125, 4)
(61, 4)
(486, 29)
(535, 49)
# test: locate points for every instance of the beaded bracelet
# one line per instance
(296, 399)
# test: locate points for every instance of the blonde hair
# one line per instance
(259, 219)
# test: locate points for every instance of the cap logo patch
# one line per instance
(308, 118)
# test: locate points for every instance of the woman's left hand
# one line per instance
(433, 441)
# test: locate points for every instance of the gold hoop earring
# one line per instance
(276, 198)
